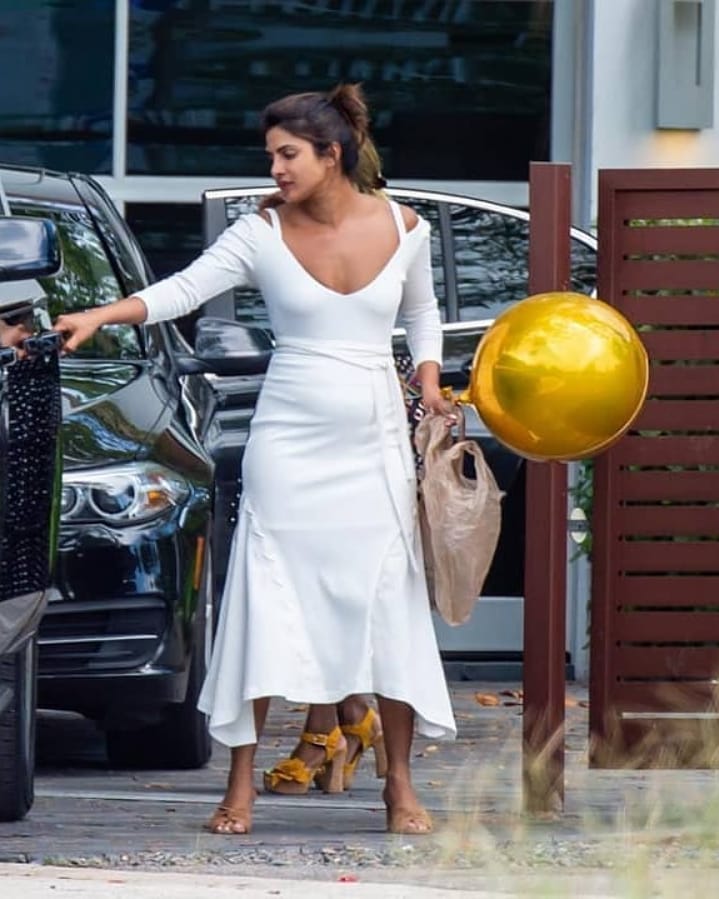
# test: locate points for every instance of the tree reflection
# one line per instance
(87, 279)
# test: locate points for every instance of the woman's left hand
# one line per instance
(435, 403)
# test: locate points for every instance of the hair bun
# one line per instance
(349, 100)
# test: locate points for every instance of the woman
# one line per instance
(325, 595)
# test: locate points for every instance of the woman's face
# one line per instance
(295, 166)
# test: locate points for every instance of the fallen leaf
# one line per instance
(486, 698)
(428, 750)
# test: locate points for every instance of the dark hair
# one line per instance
(339, 116)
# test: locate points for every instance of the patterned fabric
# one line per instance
(412, 392)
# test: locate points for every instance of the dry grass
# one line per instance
(646, 827)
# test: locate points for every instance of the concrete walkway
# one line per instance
(625, 834)
(24, 882)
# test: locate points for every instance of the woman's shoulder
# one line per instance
(409, 217)
(414, 224)
(250, 227)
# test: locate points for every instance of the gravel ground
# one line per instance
(635, 826)
(446, 861)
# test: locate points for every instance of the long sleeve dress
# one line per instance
(325, 592)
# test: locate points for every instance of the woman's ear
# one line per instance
(335, 154)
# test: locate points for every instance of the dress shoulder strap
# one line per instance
(275, 219)
(399, 221)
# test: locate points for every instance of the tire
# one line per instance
(17, 733)
(181, 740)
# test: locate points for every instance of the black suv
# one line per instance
(29, 490)
(126, 636)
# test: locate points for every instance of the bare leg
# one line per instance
(405, 814)
(352, 710)
(318, 757)
(234, 814)
(321, 719)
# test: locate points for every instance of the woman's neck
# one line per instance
(331, 205)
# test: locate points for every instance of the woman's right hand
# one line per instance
(76, 328)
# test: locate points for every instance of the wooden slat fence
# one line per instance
(655, 592)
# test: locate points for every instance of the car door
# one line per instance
(480, 253)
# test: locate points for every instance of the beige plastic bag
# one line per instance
(460, 518)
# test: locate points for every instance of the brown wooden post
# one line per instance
(546, 527)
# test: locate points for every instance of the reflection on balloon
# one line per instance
(559, 376)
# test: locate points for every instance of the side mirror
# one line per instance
(224, 347)
(29, 248)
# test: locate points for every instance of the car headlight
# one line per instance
(121, 495)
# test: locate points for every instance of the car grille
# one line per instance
(28, 438)
(110, 636)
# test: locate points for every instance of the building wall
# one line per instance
(623, 97)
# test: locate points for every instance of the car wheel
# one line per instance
(18, 675)
(182, 739)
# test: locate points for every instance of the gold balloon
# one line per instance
(559, 376)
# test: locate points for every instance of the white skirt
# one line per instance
(325, 593)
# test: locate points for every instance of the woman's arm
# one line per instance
(419, 312)
(227, 263)
(77, 327)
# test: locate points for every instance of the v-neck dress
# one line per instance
(325, 592)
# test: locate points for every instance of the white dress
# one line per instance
(325, 592)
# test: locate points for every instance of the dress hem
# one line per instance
(426, 725)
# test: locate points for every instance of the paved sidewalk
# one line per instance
(624, 834)
(24, 882)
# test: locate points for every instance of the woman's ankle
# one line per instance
(352, 709)
(321, 719)
(398, 791)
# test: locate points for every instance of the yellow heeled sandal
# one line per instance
(293, 776)
(369, 733)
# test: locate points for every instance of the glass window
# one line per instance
(449, 81)
(170, 234)
(491, 251)
(86, 279)
(57, 89)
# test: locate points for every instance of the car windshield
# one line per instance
(87, 279)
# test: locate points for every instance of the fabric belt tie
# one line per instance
(379, 362)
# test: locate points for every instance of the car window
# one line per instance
(87, 279)
(492, 260)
